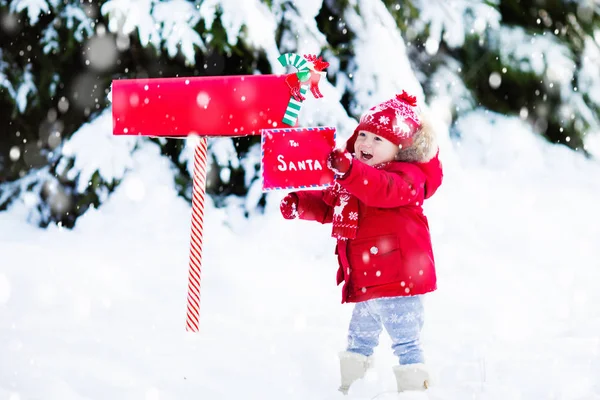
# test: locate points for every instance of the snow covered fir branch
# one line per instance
(538, 61)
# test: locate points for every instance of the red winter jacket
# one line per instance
(391, 254)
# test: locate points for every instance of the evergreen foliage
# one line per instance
(538, 59)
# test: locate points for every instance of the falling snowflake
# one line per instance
(384, 120)
(353, 216)
(411, 316)
(203, 99)
(495, 80)
(102, 52)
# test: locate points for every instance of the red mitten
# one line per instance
(289, 206)
(339, 161)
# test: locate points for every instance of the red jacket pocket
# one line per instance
(375, 261)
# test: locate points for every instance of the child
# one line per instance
(388, 168)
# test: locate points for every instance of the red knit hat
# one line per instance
(395, 120)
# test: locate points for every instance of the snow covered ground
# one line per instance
(99, 312)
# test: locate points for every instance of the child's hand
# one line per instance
(339, 161)
(289, 206)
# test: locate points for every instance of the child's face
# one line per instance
(372, 149)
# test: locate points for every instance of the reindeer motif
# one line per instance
(316, 71)
(337, 210)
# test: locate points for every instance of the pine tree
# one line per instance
(57, 61)
(539, 60)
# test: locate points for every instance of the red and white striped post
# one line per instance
(196, 241)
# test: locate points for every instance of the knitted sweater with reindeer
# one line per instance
(391, 253)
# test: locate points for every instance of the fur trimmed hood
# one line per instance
(424, 144)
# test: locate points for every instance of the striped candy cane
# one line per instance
(293, 108)
(295, 61)
(198, 191)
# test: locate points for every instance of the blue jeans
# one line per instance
(402, 318)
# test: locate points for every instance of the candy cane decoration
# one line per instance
(198, 191)
(296, 61)
(293, 108)
(310, 70)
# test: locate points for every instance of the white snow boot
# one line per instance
(412, 377)
(353, 367)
